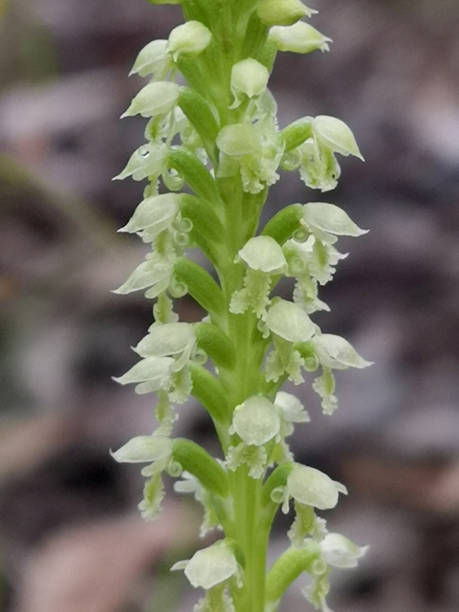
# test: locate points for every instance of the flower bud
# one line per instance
(290, 322)
(209, 566)
(239, 139)
(191, 37)
(144, 449)
(248, 77)
(154, 99)
(263, 253)
(335, 135)
(336, 352)
(282, 12)
(339, 551)
(299, 38)
(312, 487)
(329, 218)
(256, 421)
(152, 59)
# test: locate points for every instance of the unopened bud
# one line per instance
(282, 12)
(248, 77)
(154, 99)
(191, 37)
(299, 38)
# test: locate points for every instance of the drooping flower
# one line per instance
(264, 260)
(209, 566)
(299, 38)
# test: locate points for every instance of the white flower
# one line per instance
(339, 551)
(264, 258)
(282, 12)
(248, 78)
(288, 321)
(147, 161)
(299, 38)
(191, 38)
(144, 449)
(153, 60)
(209, 566)
(337, 353)
(312, 487)
(154, 99)
(256, 421)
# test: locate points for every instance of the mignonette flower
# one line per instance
(256, 421)
(312, 487)
(282, 12)
(315, 157)
(210, 566)
(153, 60)
(264, 260)
(248, 78)
(339, 551)
(299, 38)
(189, 38)
(154, 99)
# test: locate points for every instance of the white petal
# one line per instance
(154, 99)
(143, 449)
(156, 370)
(291, 408)
(157, 211)
(211, 566)
(336, 135)
(263, 253)
(331, 219)
(256, 421)
(336, 352)
(290, 322)
(167, 339)
(312, 487)
(339, 551)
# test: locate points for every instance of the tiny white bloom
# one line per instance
(290, 322)
(154, 99)
(299, 38)
(337, 353)
(263, 254)
(312, 487)
(191, 37)
(256, 421)
(209, 566)
(339, 551)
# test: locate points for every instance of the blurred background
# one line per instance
(70, 537)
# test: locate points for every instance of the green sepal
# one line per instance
(297, 132)
(201, 286)
(210, 392)
(195, 173)
(284, 224)
(195, 460)
(286, 569)
(200, 114)
(216, 344)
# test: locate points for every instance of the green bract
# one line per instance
(212, 149)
